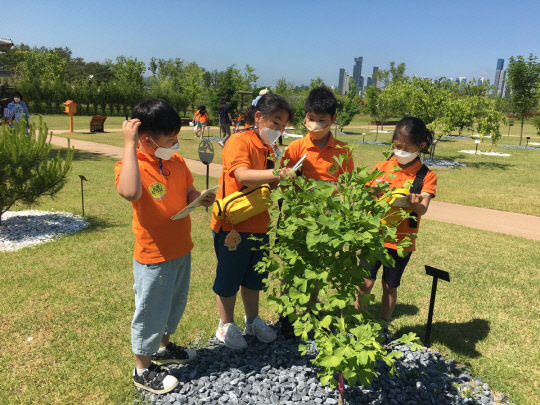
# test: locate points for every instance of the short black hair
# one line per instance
(321, 101)
(268, 105)
(157, 118)
(17, 94)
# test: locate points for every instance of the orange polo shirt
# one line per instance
(157, 237)
(319, 164)
(243, 149)
(404, 178)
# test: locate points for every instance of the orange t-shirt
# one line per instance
(243, 149)
(201, 118)
(404, 178)
(319, 164)
(157, 237)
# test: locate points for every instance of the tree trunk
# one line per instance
(521, 134)
(377, 133)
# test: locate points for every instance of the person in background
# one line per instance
(225, 120)
(19, 109)
(200, 120)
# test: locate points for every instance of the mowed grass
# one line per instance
(74, 298)
(495, 182)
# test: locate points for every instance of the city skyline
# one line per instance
(299, 40)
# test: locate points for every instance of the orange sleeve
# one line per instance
(430, 183)
(291, 154)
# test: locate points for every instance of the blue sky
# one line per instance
(298, 40)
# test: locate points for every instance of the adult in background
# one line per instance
(225, 120)
(19, 109)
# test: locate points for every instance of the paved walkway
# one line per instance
(525, 226)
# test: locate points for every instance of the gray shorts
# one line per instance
(161, 292)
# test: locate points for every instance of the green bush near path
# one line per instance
(74, 298)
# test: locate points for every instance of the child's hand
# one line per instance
(418, 202)
(208, 200)
(130, 131)
(286, 172)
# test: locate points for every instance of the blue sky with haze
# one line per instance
(298, 40)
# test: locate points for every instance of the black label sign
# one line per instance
(206, 152)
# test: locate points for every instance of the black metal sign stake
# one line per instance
(206, 155)
(82, 191)
(436, 274)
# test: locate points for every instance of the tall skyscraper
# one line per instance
(480, 81)
(499, 78)
(357, 72)
(461, 81)
(375, 77)
(340, 81)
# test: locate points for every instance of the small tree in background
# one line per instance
(490, 124)
(26, 170)
(524, 82)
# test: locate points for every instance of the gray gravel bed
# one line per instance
(276, 373)
(22, 229)
(446, 164)
(457, 137)
(519, 147)
(373, 143)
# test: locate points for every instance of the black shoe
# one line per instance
(286, 327)
(174, 354)
(387, 337)
(155, 380)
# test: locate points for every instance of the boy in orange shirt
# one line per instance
(158, 184)
(321, 147)
(320, 108)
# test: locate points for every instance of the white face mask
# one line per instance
(317, 128)
(403, 157)
(165, 153)
(16, 99)
(269, 136)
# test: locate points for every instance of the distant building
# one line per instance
(499, 78)
(480, 81)
(375, 77)
(5, 44)
(340, 81)
(357, 72)
(461, 81)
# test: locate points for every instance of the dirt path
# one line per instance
(525, 226)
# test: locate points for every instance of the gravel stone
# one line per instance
(22, 229)
(276, 374)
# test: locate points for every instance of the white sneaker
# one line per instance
(231, 336)
(258, 328)
(221, 144)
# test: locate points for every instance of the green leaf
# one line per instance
(325, 323)
(330, 361)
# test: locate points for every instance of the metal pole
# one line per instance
(430, 313)
(207, 177)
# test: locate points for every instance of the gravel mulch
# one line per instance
(276, 373)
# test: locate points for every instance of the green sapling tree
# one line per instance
(325, 231)
(26, 170)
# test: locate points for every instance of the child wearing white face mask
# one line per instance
(410, 138)
(246, 163)
(319, 144)
(158, 184)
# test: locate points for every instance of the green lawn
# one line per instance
(501, 183)
(74, 298)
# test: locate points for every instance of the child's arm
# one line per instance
(419, 202)
(129, 182)
(253, 177)
(193, 194)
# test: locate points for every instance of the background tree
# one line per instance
(392, 74)
(524, 82)
(489, 124)
(26, 170)
(378, 107)
(315, 83)
(348, 106)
